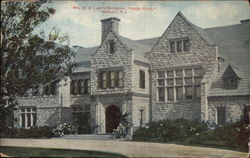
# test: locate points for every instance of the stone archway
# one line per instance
(113, 118)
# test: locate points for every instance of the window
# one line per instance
(110, 79)
(142, 79)
(120, 78)
(186, 45)
(161, 74)
(221, 115)
(170, 94)
(80, 86)
(230, 78)
(161, 82)
(180, 45)
(172, 47)
(230, 83)
(111, 46)
(179, 93)
(161, 94)
(180, 84)
(28, 117)
(189, 92)
(86, 89)
(198, 92)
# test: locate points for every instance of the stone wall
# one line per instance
(102, 60)
(187, 110)
(234, 107)
(140, 103)
(49, 110)
(136, 79)
(201, 53)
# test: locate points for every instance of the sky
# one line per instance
(139, 19)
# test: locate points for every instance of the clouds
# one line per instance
(84, 26)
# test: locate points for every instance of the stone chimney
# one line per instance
(109, 24)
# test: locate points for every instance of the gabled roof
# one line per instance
(198, 29)
(83, 55)
(138, 48)
(217, 86)
(229, 72)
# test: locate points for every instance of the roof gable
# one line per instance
(229, 72)
(203, 35)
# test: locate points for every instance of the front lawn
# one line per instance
(45, 152)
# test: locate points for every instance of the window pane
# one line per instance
(186, 45)
(170, 73)
(170, 93)
(161, 94)
(112, 78)
(104, 80)
(34, 119)
(197, 80)
(189, 92)
(142, 79)
(188, 72)
(88, 83)
(28, 119)
(75, 87)
(161, 74)
(22, 110)
(23, 120)
(198, 72)
(33, 109)
(179, 93)
(179, 46)
(178, 72)
(161, 82)
(197, 91)
(172, 47)
(179, 81)
(28, 110)
(170, 82)
(188, 80)
(221, 115)
(120, 78)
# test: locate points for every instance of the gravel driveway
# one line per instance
(127, 148)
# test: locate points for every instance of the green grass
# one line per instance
(45, 152)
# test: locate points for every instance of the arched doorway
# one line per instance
(113, 118)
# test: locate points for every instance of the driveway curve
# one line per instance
(127, 148)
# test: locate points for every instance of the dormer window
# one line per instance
(230, 78)
(179, 45)
(230, 83)
(111, 46)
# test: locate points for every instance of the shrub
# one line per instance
(234, 135)
(33, 132)
(170, 130)
(63, 129)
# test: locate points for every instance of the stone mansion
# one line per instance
(188, 72)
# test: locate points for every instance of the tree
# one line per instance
(28, 59)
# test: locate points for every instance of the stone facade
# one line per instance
(141, 102)
(49, 110)
(201, 53)
(234, 107)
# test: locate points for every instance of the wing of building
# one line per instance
(188, 72)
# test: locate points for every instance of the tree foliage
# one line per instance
(29, 59)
